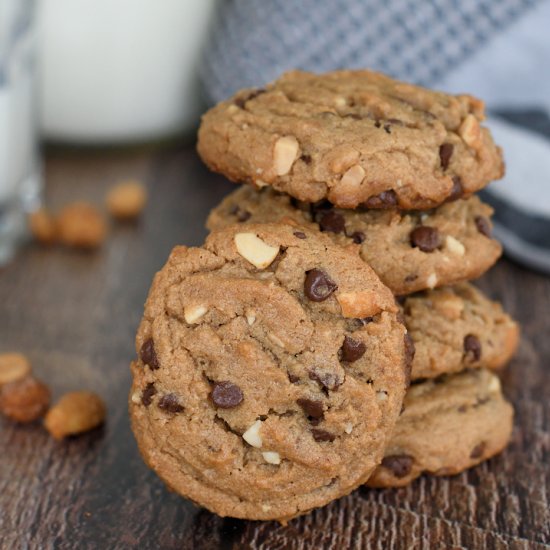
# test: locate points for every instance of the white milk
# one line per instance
(20, 182)
(120, 70)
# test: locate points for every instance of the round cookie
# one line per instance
(409, 251)
(354, 138)
(448, 425)
(271, 372)
(457, 328)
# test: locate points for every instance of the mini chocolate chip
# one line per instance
(399, 465)
(445, 154)
(352, 350)
(318, 286)
(327, 380)
(147, 395)
(226, 395)
(332, 222)
(322, 435)
(472, 347)
(483, 225)
(306, 159)
(426, 238)
(457, 190)
(170, 403)
(358, 237)
(410, 278)
(386, 199)
(410, 350)
(292, 378)
(310, 407)
(478, 450)
(387, 128)
(300, 235)
(378, 124)
(148, 354)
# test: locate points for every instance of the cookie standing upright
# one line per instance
(271, 372)
(354, 138)
(409, 251)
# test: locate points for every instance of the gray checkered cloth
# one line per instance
(253, 41)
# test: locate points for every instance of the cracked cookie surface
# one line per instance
(409, 251)
(457, 328)
(449, 424)
(271, 370)
(352, 137)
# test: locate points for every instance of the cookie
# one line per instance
(354, 138)
(410, 251)
(271, 372)
(448, 425)
(457, 328)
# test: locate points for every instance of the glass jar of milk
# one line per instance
(20, 179)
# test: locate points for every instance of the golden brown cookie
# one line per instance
(449, 424)
(271, 372)
(354, 138)
(456, 328)
(409, 251)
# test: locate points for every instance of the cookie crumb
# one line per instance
(126, 200)
(75, 413)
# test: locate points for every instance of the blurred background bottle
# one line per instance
(20, 173)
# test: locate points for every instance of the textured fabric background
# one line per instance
(253, 41)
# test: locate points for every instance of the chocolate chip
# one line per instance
(318, 286)
(293, 378)
(332, 222)
(387, 128)
(358, 237)
(410, 278)
(148, 354)
(300, 235)
(226, 395)
(378, 124)
(147, 394)
(483, 225)
(472, 347)
(399, 465)
(426, 238)
(386, 199)
(170, 403)
(322, 435)
(311, 408)
(478, 450)
(410, 350)
(445, 154)
(352, 350)
(327, 380)
(457, 190)
(306, 159)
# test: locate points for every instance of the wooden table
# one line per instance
(75, 315)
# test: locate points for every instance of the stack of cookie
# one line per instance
(273, 361)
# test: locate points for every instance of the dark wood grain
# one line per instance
(75, 315)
